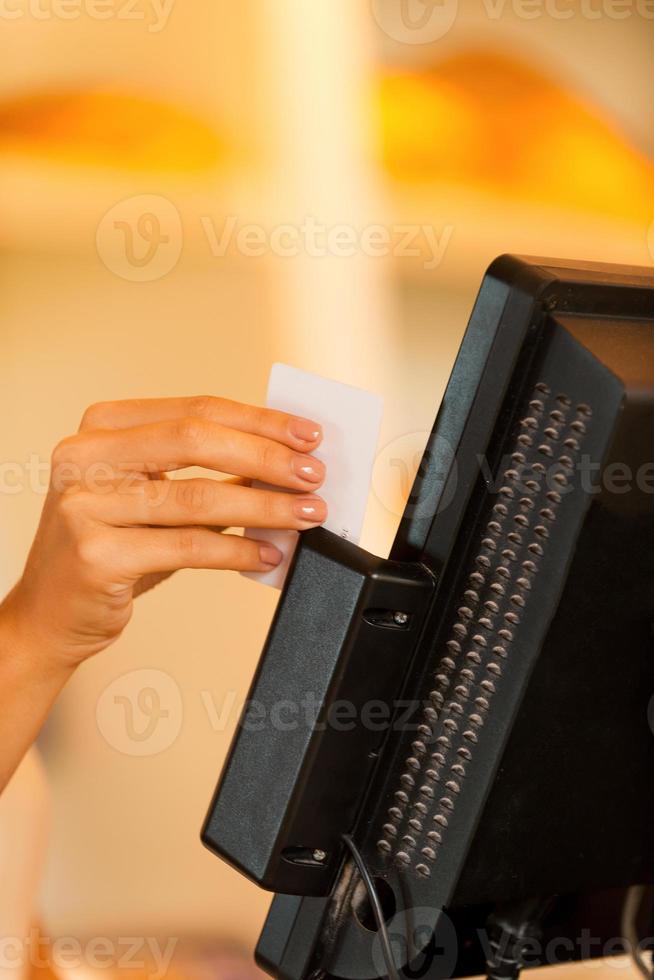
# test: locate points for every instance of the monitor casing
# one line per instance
(516, 762)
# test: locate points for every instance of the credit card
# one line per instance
(351, 420)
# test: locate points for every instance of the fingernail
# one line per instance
(309, 469)
(310, 509)
(305, 429)
(269, 555)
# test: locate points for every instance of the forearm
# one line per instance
(30, 681)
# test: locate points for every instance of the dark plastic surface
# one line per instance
(295, 777)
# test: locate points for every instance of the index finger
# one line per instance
(291, 430)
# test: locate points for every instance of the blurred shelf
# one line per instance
(47, 205)
(445, 234)
(469, 228)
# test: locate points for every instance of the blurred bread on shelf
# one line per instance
(492, 123)
(110, 129)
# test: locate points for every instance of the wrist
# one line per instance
(24, 649)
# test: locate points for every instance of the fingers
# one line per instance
(165, 446)
(293, 431)
(204, 502)
(136, 552)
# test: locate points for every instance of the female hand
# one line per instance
(113, 524)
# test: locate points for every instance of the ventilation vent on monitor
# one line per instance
(497, 589)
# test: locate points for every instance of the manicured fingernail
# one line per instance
(269, 555)
(305, 429)
(309, 469)
(310, 509)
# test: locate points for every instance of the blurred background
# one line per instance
(193, 189)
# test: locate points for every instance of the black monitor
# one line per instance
(450, 749)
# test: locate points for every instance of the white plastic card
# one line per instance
(351, 420)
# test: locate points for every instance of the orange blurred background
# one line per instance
(193, 189)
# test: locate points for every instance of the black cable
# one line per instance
(366, 878)
(511, 927)
(632, 905)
